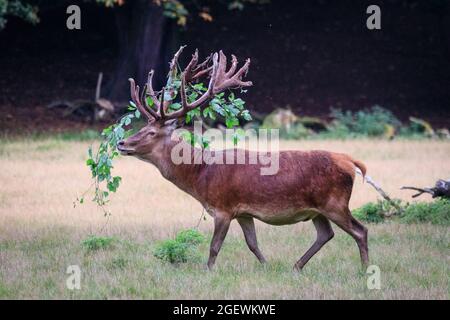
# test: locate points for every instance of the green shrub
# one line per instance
(171, 251)
(181, 249)
(336, 130)
(93, 243)
(376, 212)
(436, 212)
(370, 212)
(373, 122)
(190, 236)
(294, 132)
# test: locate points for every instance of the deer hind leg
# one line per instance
(354, 228)
(221, 226)
(248, 227)
(324, 234)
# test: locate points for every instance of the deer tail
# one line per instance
(360, 168)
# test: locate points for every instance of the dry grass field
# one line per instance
(41, 233)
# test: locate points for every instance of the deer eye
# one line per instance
(152, 133)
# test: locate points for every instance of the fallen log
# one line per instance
(93, 110)
(440, 189)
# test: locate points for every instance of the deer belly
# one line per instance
(285, 217)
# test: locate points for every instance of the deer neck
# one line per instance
(183, 175)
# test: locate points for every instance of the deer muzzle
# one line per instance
(124, 149)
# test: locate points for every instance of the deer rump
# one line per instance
(306, 184)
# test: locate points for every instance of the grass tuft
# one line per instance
(181, 249)
(94, 243)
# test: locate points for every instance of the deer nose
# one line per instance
(120, 143)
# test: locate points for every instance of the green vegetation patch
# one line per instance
(436, 212)
(94, 243)
(181, 249)
(373, 122)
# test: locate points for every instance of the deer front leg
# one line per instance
(248, 227)
(221, 226)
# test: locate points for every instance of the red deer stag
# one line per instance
(314, 185)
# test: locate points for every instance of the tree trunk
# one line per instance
(141, 33)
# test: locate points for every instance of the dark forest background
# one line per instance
(308, 55)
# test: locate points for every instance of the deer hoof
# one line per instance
(297, 268)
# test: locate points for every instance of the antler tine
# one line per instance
(193, 63)
(194, 70)
(215, 72)
(204, 63)
(235, 80)
(234, 63)
(242, 71)
(162, 107)
(184, 103)
(174, 61)
(222, 63)
(142, 95)
(152, 93)
(134, 92)
(137, 99)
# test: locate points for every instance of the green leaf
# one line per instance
(231, 122)
(149, 101)
(193, 113)
(231, 109)
(119, 131)
(209, 113)
(200, 87)
(239, 103)
(217, 108)
(246, 115)
(107, 131)
(192, 96)
(175, 106)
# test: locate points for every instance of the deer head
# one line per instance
(156, 135)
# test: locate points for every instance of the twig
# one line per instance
(201, 217)
(383, 193)
(421, 191)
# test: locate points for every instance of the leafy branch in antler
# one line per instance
(185, 96)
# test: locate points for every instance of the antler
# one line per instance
(220, 80)
(134, 91)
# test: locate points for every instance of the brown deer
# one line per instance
(314, 185)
